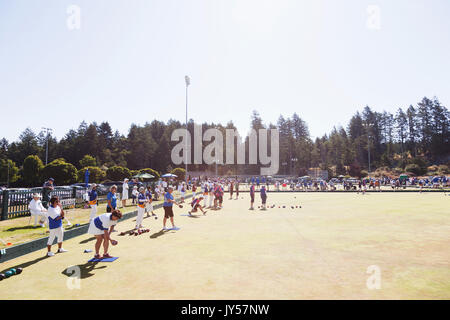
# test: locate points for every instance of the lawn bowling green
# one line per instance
(322, 250)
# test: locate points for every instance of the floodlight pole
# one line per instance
(48, 130)
(188, 82)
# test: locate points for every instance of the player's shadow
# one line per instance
(26, 264)
(87, 240)
(24, 228)
(160, 233)
(85, 270)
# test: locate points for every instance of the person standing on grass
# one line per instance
(55, 216)
(263, 193)
(125, 188)
(134, 194)
(93, 197)
(205, 193)
(112, 199)
(168, 207)
(231, 189)
(47, 188)
(194, 189)
(252, 195)
(149, 205)
(211, 194)
(37, 210)
(102, 227)
(141, 201)
(182, 190)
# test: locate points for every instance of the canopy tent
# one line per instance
(169, 175)
(144, 175)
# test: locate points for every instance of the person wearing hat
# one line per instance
(93, 197)
(168, 207)
(141, 201)
(149, 205)
(37, 210)
(125, 188)
(134, 194)
(46, 189)
(55, 217)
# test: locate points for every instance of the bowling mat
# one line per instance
(176, 228)
(104, 260)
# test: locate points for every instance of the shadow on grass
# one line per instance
(30, 227)
(85, 270)
(26, 264)
(160, 233)
(87, 240)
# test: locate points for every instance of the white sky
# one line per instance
(128, 61)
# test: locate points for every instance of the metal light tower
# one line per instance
(188, 82)
(48, 130)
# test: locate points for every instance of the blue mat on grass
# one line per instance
(104, 260)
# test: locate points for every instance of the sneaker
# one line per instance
(165, 228)
(97, 256)
(50, 254)
(106, 256)
(61, 250)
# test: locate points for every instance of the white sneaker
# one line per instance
(50, 254)
(62, 250)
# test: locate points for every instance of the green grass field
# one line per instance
(321, 251)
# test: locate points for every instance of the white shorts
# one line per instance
(182, 194)
(125, 196)
(94, 230)
(57, 233)
(149, 207)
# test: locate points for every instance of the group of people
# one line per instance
(208, 194)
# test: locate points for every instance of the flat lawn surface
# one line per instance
(321, 251)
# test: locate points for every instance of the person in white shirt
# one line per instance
(134, 194)
(125, 188)
(141, 202)
(102, 227)
(55, 216)
(37, 210)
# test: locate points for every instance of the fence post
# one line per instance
(4, 215)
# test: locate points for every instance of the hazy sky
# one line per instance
(127, 62)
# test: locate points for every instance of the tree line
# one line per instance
(413, 139)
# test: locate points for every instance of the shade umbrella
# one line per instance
(144, 175)
(169, 175)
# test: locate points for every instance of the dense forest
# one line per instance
(414, 139)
